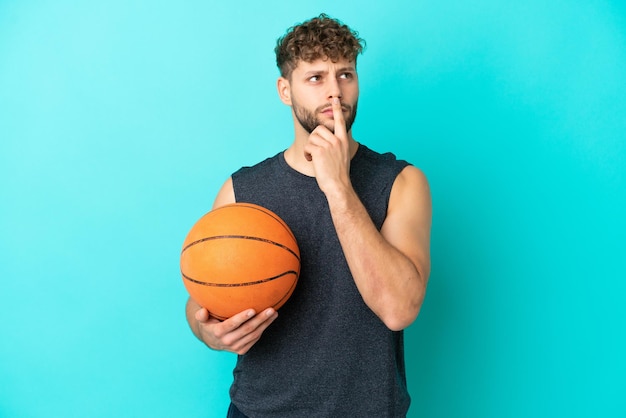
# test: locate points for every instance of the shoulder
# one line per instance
(410, 187)
(226, 194)
(412, 178)
(410, 194)
(259, 167)
(244, 175)
(386, 165)
(367, 154)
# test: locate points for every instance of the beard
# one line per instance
(309, 120)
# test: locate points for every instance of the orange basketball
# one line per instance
(240, 256)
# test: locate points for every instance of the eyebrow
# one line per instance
(339, 70)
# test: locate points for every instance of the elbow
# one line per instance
(399, 320)
(398, 314)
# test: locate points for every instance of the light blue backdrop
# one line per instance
(120, 119)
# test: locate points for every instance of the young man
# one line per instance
(362, 221)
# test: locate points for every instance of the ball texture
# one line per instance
(237, 257)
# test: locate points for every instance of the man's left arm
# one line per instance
(390, 267)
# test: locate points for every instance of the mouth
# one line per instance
(328, 111)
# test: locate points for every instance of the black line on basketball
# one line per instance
(263, 210)
(268, 279)
(265, 240)
(287, 294)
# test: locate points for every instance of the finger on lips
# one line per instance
(321, 135)
(340, 124)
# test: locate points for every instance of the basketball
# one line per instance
(237, 257)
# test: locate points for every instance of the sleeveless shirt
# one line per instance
(327, 354)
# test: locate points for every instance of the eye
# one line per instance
(346, 76)
(315, 78)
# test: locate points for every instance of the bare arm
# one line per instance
(238, 333)
(390, 267)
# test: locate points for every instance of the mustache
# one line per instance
(324, 108)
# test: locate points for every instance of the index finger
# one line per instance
(340, 123)
(237, 320)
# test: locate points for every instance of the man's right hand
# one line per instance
(235, 334)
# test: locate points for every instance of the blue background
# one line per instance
(119, 121)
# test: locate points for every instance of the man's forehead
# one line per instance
(324, 64)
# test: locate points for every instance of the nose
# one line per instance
(334, 90)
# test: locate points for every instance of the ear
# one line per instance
(284, 90)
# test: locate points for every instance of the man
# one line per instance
(362, 221)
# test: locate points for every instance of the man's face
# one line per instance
(314, 84)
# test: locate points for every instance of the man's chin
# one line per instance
(329, 125)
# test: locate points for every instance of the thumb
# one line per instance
(202, 315)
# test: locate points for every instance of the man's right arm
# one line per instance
(238, 333)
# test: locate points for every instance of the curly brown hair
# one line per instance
(320, 37)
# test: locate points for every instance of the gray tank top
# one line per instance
(327, 354)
